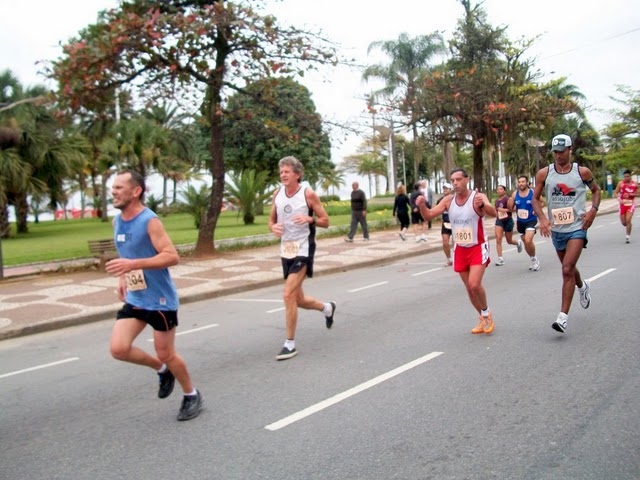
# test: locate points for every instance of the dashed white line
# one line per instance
(349, 393)
(269, 300)
(46, 365)
(193, 330)
(606, 272)
(426, 271)
(367, 286)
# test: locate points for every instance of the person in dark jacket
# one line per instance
(401, 207)
(358, 213)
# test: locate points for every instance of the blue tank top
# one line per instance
(524, 207)
(133, 241)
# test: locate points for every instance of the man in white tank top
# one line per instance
(471, 246)
(567, 219)
(295, 213)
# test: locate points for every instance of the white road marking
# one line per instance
(349, 393)
(368, 286)
(269, 300)
(426, 271)
(606, 272)
(276, 310)
(193, 330)
(46, 365)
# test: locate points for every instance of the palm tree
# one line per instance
(331, 179)
(247, 190)
(196, 201)
(410, 57)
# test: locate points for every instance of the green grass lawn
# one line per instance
(67, 239)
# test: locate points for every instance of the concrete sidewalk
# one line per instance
(39, 302)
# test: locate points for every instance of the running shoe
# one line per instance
(402, 236)
(560, 324)
(286, 353)
(348, 239)
(500, 261)
(480, 327)
(535, 265)
(167, 381)
(585, 296)
(329, 319)
(519, 246)
(627, 239)
(489, 324)
(191, 406)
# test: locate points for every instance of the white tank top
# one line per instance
(466, 225)
(296, 238)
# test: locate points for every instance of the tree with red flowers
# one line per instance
(186, 50)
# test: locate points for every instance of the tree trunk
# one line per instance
(478, 166)
(22, 211)
(205, 243)
(164, 195)
(5, 230)
(103, 197)
(416, 152)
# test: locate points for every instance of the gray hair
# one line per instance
(294, 163)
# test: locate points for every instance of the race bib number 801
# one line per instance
(463, 235)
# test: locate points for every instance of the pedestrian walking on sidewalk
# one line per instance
(417, 222)
(521, 202)
(567, 219)
(504, 223)
(146, 287)
(427, 191)
(358, 213)
(401, 208)
(296, 211)
(467, 210)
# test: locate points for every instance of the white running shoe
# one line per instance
(560, 324)
(627, 239)
(500, 261)
(535, 265)
(519, 246)
(585, 296)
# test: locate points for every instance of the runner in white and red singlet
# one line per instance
(626, 192)
(471, 247)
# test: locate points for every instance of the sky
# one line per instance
(594, 44)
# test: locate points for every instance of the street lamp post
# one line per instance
(603, 151)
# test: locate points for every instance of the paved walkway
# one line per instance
(32, 302)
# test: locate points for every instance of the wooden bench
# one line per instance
(104, 250)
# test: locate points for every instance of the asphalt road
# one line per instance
(398, 389)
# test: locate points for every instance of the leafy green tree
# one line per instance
(248, 190)
(173, 49)
(270, 119)
(486, 92)
(621, 135)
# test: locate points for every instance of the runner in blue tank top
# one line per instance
(150, 297)
(521, 202)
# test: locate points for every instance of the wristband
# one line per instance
(595, 207)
